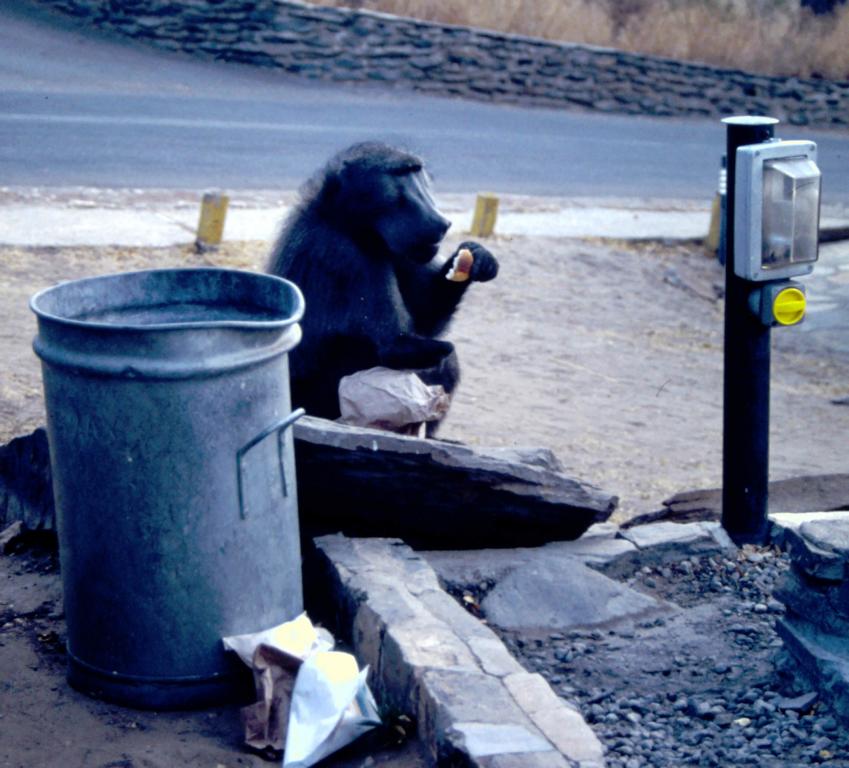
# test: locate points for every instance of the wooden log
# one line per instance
(436, 494)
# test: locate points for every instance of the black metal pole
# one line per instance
(745, 438)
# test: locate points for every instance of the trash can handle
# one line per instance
(279, 427)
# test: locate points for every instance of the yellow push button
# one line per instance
(788, 308)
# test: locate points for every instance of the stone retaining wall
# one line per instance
(363, 46)
(815, 628)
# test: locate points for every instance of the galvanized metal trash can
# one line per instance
(168, 415)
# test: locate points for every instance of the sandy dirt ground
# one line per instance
(46, 724)
(610, 354)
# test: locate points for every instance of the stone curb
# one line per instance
(431, 660)
(815, 593)
(784, 524)
(614, 551)
(57, 225)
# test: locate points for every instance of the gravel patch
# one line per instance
(700, 687)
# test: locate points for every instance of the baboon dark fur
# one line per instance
(362, 246)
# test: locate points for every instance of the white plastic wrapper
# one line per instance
(274, 656)
(298, 638)
(312, 700)
(331, 707)
(388, 399)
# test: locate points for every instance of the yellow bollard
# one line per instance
(213, 212)
(712, 239)
(714, 235)
(486, 211)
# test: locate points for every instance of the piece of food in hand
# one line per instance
(461, 267)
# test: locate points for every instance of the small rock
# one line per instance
(798, 703)
(762, 707)
(823, 742)
(828, 724)
(774, 606)
(9, 535)
(700, 709)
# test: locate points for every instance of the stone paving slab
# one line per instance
(474, 704)
(600, 547)
(817, 561)
(829, 535)
(782, 522)
(604, 546)
(677, 540)
(563, 593)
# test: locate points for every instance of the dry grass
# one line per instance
(768, 36)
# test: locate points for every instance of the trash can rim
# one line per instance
(292, 318)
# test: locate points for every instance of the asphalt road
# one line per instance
(77, 108)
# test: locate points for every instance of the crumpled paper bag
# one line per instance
(384, 398)
(312, 700)
(274, 656)
(331, 706)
